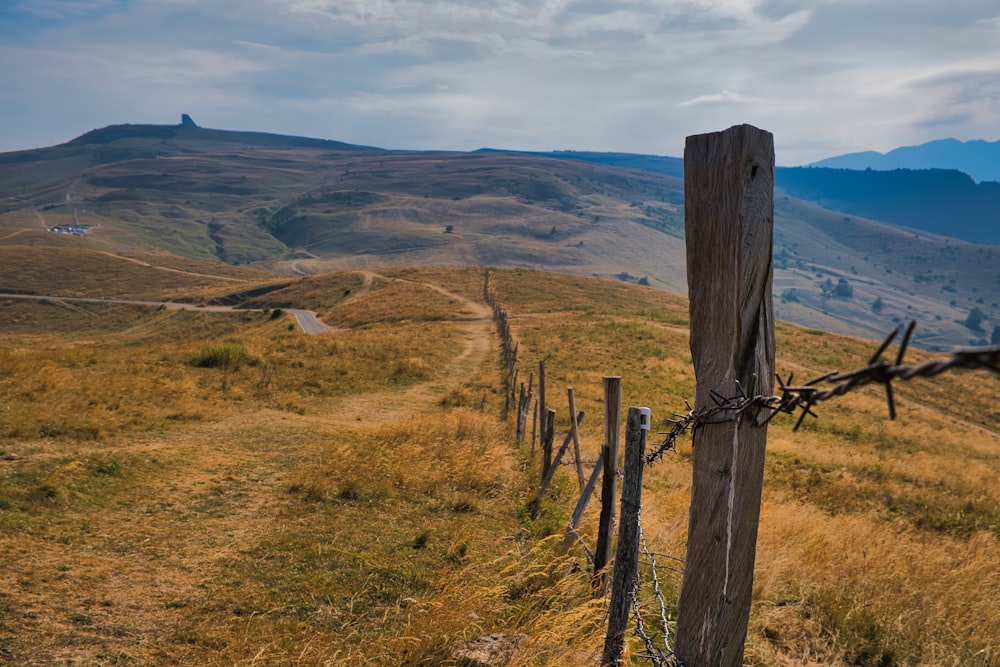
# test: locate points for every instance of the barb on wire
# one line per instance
(805, 397)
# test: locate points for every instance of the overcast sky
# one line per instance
(825, 76)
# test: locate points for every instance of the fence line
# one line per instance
(508, 346)
(792, 398)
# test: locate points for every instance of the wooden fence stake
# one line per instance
(728, 219)
(519, 416)
(543, 417)
(609, 483)
(581, 505)
(626, 565)
(575, 432)
(552, 469)
(534, 429)
(523, 406)
(548, 434)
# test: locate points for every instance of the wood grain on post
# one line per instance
(609, 483)
(626, 565)
(728, 219)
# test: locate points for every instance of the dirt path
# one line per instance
(206, 498)
(13, 234)
(172, 270)
(383, 406)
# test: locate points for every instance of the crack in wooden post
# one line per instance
(728, 217)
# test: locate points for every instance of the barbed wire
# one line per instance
(805, 397)
(659, 657)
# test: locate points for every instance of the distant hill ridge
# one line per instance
(191, 132)
(299, 205)
(980, 159)
(941, 201)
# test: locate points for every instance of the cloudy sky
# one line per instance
(825, 76)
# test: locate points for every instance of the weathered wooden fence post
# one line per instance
(555, 463)
(609, 483)
(534, 428)
(728, 220)
(523, 407)
(543, 417)
(626, 565)
(575, 432)
(548, 437)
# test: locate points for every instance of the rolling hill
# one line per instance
(305, 206)
(932, 199)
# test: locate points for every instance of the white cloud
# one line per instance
(721, 97)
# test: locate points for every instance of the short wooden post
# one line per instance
(609, 483)
(728, 218)
(626, 565)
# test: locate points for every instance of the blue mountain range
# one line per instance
(979, 159)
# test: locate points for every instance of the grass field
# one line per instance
(184, 487)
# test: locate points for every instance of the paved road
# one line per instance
(306, 318)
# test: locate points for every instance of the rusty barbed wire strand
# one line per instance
(805, 397)
(659, 657)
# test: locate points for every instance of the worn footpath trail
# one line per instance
(116, 584)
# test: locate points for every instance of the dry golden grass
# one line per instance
(354, 498)
(878, 540)
(45, 264)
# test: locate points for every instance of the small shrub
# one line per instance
(226, 356)
(420, 541)
(109, 467)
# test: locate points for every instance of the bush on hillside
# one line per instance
(227, 356)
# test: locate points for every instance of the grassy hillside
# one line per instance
(184, 487)
(36, 262)
(299, 206)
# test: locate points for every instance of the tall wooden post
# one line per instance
(626, 567)
(609, 483)
(728, 221)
